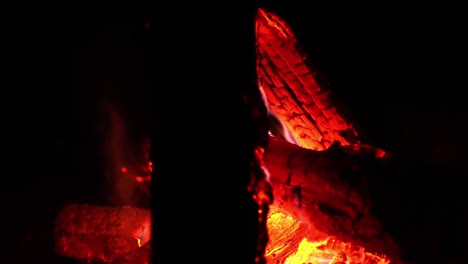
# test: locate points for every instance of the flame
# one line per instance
(143, 234)
(138, 242)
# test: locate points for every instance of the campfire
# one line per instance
(315, 162)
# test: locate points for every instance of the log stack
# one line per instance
(323, 182)
(328, 191)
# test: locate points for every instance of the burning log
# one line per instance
(294, 90)
(324, 182)
(328, 191)
(100, 233)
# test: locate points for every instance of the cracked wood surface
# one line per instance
(290, 84)
(328, 190)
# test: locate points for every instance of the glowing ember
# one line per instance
(293, 243)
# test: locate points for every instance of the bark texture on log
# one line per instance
(293, 90)
(93, 232)
(328, 190)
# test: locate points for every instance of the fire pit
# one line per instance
(321, 212)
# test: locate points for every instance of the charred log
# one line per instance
(329, 190)
(100, 233)
(295, 90)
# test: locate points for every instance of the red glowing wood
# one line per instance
(293, 93)
(92, 232)
(328, 190)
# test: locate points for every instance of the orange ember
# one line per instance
(292, 242)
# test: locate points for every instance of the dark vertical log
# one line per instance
(202, 64)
